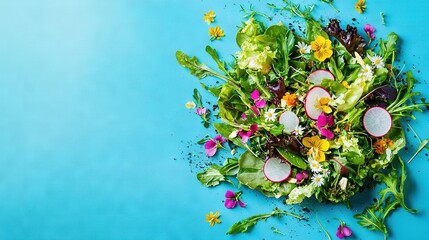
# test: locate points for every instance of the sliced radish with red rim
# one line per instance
(312, 99)
(377, 121)
(317, 76)
(277, 170)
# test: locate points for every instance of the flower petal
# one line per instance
(255, 94)
(254, 127)
(242, 204)
(244, 116)
(219, 138)
(211, 151)
(347, 231)
(229, 203)
(255, 110)
(229, 194)
(323, 145)
(327, 133)
(260, 103)
(210, 144)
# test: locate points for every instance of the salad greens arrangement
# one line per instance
(317, 115)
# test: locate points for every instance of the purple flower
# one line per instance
(370, 31)
(211, 146)
(255, 95)
(201, 111)
(343, 231)
(232, 199)
(260, 103)
(323, 123)
(300, 177)
(245, 135)
(255, 110)
(244, 116)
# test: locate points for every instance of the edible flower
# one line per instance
(211, 146)
(303, 48)
(300, 177)
(377, 61)
(323, 104)
(232, 199)
(317, 146)
(216, 33)
(190, 105)
(369, 31)
(382, 144)
(360, 6)
(245, 135)
(322, 48)
(315, 166)
(212, 218)
(201, 111)
(209, 16)
(343, 231)
(256, 96)
(317, 180)
(270, 115)
(366, 71)
(323, 123)
(289, 99)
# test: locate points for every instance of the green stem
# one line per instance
(323, 228)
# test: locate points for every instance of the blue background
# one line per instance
(95, 141)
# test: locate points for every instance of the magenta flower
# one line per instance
(343, 231)
(245, 135)
(323, 123)
(244, 116)
(259, 102)
(201, 111)
(211, 146)
(255, 110)
(300, 177)
(370, 31)
(232, 199)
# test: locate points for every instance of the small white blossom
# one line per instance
(270, 115)
(315, 166)
(317, 180)
(325, 172)
(299, 130)
(377, 61)
(303, 48)
(366, 71)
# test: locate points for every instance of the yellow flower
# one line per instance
(216, 33)
(190, 105)
(209, 17)
(345, 84)
(317, 146)
(212, 218)
(382, 144)
(322, 48)
(360, 6)
(323, 104)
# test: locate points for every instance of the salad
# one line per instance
(316, 116)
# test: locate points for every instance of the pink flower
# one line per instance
(201, 111)
(211, 146)
(370, 31)
(244, 116)
(300, 177)
(259, 102)
(245, 135)
(255, 110)
(343, 231)
(232, 199)
(323, 123)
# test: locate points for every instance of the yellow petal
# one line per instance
(190, 105)
(308, 142)
(323, 145)
(326, 109)
(320, 156)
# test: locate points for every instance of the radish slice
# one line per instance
(277, 170)
(289, 120)
(317, 76)
(312, 99)
(377, 121)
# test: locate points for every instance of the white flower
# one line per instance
(325, 172)
(343, 183)
(303, 48)
(366, 71)
(315, 166)
(270, 115)
(377, 61)
(233, 134)
(299, 130)
(317, 180)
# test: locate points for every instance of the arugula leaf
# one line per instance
(248, 223)
(213, 90)
(198, 98)
(220, 64)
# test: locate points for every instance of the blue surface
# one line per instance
(94, 136)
